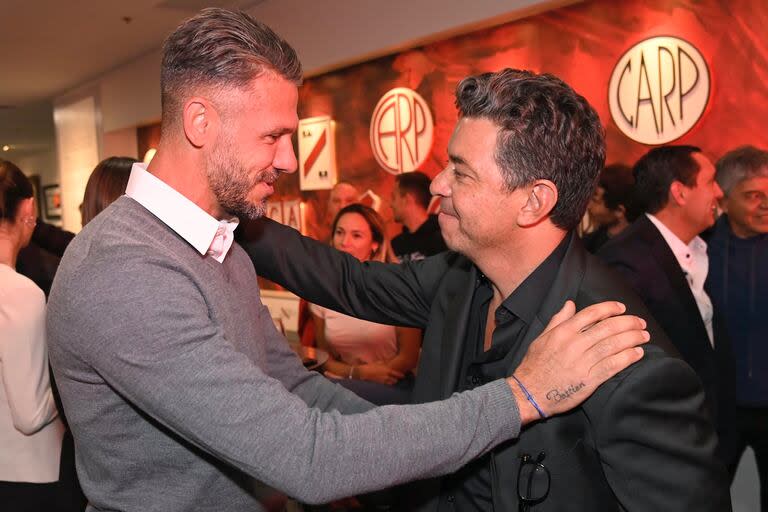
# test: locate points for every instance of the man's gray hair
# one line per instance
(740, 164)
(221, 48)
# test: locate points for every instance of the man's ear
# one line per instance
(677, 193)
(541, 200)
(26, 208)
(201, 121)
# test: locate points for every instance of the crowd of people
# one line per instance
(517, 371)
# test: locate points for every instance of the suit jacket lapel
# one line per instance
(671, 268)
(455, 333)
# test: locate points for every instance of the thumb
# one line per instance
(565, 313)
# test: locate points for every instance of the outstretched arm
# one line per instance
(379, 292)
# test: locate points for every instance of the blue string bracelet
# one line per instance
(529, 397)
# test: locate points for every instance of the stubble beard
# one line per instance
(231, 183)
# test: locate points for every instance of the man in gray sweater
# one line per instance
(180, 393)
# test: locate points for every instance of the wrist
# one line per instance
(528, 413)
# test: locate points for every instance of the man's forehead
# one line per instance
(753, 182)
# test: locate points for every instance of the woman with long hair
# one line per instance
(376, 361)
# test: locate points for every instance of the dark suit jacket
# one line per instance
(645, 261)
(641, 442)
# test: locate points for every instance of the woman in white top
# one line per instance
(361, 350)
(30, 430)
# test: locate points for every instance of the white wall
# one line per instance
(120, 143)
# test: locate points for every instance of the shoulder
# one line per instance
(623, 284)
(627, 243)
(19, 293)
(647, 385)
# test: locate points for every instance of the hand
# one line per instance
(379, 372)
(575, 354)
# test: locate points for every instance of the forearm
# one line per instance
(382, 293)
(339, 368)
(408, 347)
(392, 445)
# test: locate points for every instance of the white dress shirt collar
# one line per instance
(206, 234)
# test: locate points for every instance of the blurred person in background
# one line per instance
(738, 285)
(106, 183)
(421, 235)
(608, 207)
(40, 259)
(374, 360)
(319, 221)
(662, 257)
(31, 431)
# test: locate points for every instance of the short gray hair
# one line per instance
(221, 48)
(740, 164)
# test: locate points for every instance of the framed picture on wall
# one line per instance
(52, 201)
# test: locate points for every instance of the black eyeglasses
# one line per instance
(532, 481)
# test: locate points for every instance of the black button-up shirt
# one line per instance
(470, 488)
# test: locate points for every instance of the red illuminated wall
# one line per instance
(580, 44)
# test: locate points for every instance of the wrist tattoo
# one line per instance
(557, 395)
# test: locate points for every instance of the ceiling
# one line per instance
(49, 46)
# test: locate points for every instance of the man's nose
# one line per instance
(439, 185)
(285, 159)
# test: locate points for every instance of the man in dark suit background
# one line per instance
(523, 162)
(663, 258)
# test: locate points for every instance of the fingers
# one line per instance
(609, 347)
(595, 313)
(578, 353)
(610, 366)
(566, 312)
(609, 328)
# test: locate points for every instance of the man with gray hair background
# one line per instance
(738, 285)
(179, 390)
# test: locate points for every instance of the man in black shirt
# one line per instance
(410, 203)
(522, 164)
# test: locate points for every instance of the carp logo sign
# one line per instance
(401, 131)
(659, 90)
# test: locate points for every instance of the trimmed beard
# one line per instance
(230, 181)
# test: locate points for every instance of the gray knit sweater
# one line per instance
(182, 395)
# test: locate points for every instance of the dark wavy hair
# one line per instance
(546, 131)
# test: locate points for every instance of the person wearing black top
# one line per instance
(523, 161)
(421, 235)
